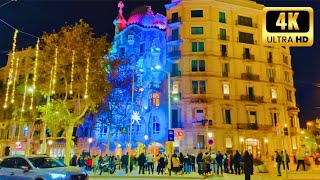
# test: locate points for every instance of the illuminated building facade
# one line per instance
(224, 75)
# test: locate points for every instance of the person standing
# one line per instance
(141, 162)
(187, 164)
(193, 161)
(237, 161)
(213, 162)
(248, 165)
(207, 162)
(181, 159)
(94, 164)
(150, 160)
(200, 163)
(89, 163)
(161, 163)
(124, 162)
(175, 164)
(287, 160)
(74, 160)
(300, 159)
(278, 161)
(219, 159)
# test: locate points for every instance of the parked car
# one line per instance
(38, 167)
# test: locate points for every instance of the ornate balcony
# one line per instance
(174, 20)
(252, 126)
(258, 99)
(225, 74)
(271, 79)
(224, 38)
(250, 77)
(248, 56)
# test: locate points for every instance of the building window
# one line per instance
(223, 34)
(274, 119)
(196, 13)
(248, 69)
(200, 141)
(269, 57)
(155, 125)
(245, 37)
(175, 119)
(226, 88)
(175, 34)
(273, 94)
(253, 117)
(122, 51)
(141, 128)
(154, 100)
(227, 116)
(289, 98)
(287, 76)
(196, 30)
(292, 121)
(250, 93)
(222, 17)
(198, 86)
(246, 53)
(225, 69)
(223, 50)
(198, 65)
(271, 73)
(285, 59)
(197, 46)
(245, 21)
(175, 17)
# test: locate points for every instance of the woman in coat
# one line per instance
(175, 163)
(248, 165)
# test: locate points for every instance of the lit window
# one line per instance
(226, 89)
(155, 125)
(154, 100)
(273, 94)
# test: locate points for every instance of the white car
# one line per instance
(38, 167)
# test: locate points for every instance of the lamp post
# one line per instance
(266, 141)
(169, 94)
(90, 141)
(50, 142)
(309, 124)
(145, 141)
(241, 141)
(210, 135)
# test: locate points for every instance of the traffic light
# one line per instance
(180, 135)
(285, 131)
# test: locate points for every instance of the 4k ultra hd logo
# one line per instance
(287, 26)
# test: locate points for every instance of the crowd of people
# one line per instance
(208, 163)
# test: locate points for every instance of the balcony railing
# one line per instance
(258, 99)
(274, 100)
(174, 20)
(174, 54)
(253, 126)
(248, 56)
(270, 60)
(250, 77)
(254, 25)
(225, 38)
(224, 54)
(225, 74)
(226, 96)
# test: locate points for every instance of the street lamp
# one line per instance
(158, 67)
(309, 124)
(145, 139)
(90, 141)
(241, 141)
(210, 135)
(266, 141)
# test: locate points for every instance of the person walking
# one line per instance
(141, 162)
(278, 161)
(247, 165)
(175, 164)
(287, 160)
(200, 163)
(219, 159)
(300, 159)
(161, 163)
(124, 162)
(150, 160)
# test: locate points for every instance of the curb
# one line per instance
(153, 177)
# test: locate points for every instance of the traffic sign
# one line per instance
(210, 141)
(170, 135)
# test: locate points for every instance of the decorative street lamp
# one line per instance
(210, 135)
(266, 141)
(241, 141)
(90, 141)
(146, 137)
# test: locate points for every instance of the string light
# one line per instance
(87, 78)
(72, 71)
(24, 94)
(14, 81)
(35, 73)
(11, 67)
(50, 86)
(55, 70)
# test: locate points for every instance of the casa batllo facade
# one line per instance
(226, 76)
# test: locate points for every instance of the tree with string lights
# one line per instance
(71, 77)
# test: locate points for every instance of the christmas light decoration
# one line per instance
(72, 71)
(14, 81)
(55, 70)
(24, 94)
(87, 78)
(50, 86)
(11, 67)
(34, 73)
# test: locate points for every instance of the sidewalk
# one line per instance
(153, 176)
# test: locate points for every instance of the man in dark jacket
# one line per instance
(278, 160)
(193, 160)
(248, 165)
(124, 162)
(74, 160)
(219, 159)
(141, 162)
(200, 163)
(237, 160)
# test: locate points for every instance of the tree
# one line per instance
(68, 96)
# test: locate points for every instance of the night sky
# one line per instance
(38, 16)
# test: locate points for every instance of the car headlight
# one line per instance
(57, 175)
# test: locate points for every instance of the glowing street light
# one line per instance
(30, 89)
(146, 137)
(89, 141)
(50, 142)
(210, 135)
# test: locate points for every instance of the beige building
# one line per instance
(223, 74)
